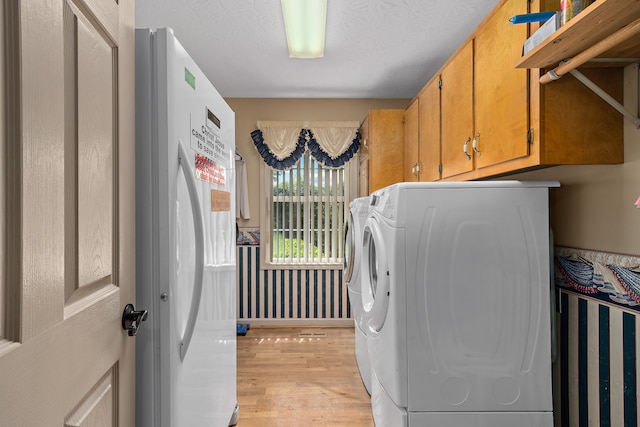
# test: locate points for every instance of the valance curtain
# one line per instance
(282, 143)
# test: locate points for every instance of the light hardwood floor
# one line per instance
(300, 377)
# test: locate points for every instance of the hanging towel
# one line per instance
(242, 191)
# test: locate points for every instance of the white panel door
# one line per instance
(67, 203)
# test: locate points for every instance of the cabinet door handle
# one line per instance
(465, 147)
(474, 144)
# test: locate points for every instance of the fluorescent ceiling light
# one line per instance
(304, 22)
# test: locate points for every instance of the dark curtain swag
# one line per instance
(321, 156)
(270, 159)
(331, 149)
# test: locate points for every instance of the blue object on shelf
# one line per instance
(531, 17)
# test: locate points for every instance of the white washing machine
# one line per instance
(359, 209)
(456, 304)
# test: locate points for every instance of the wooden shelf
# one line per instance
(598, 21)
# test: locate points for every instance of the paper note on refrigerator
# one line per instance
(220, 201)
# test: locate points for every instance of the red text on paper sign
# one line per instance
(209, 171)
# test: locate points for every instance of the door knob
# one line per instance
(131, 319)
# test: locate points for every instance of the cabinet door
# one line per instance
(386, 148)
(429, 116)
(363, 177)
(501, 91)
(411, 142)
(457, 113)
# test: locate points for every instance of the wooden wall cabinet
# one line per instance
(496, 119)
(422, 135)
(521, 124)
(381, 150)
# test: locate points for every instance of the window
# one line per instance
(306, 209)
(307, 175)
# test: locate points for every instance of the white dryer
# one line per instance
(456, 300)
(359, 209)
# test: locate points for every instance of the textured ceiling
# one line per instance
(373, 48)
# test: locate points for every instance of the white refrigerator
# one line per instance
(185, 234)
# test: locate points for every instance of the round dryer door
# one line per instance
(349, 250)
(376, 280)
